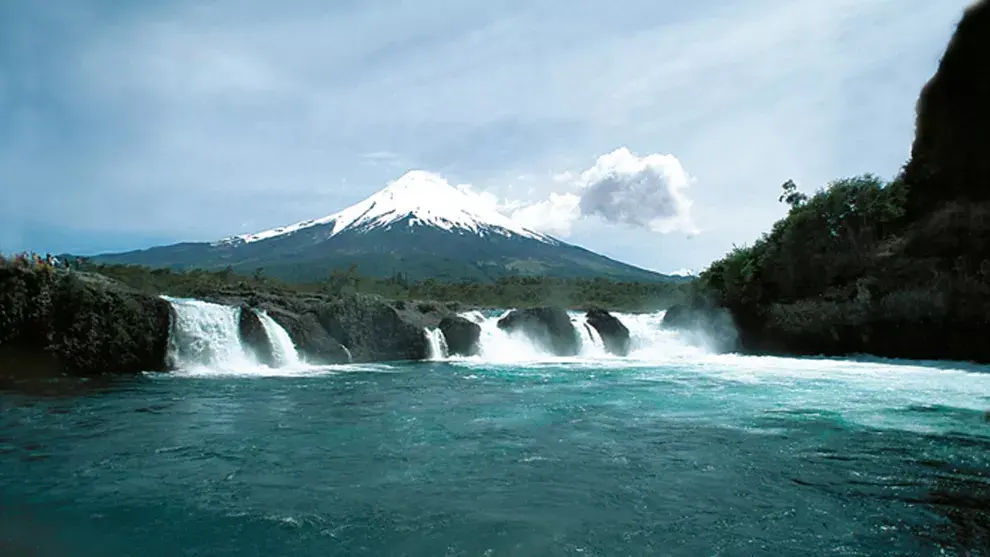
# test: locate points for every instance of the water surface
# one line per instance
(697, 455)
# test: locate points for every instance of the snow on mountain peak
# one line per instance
(422, 197)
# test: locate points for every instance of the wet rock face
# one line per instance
(372, 330)
(462, 336)
(549, 328)
(313, 342)
(614, 334)
(254, 336)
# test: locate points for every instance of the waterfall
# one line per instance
(474, 316)
(205, 340)
(438, 344)
(283, 348)
(206, 335)
(500, 346)
(591, 340)
(650, 341)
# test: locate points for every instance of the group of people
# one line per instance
(27, 260)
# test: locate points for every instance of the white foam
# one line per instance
(206, 335)
(283, 349)
(204, 341)
(592, 344)
(438, 344)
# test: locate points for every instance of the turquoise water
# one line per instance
(714, 455)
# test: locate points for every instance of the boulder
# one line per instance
(372, 330)
(69, 323)
(614, 334)
(313, 342)
(463, 336)
(254, 336)
(549, 328)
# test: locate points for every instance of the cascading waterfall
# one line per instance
(205, 340)
(500, 346)
(283, 348)
(474, 316)
(438, 344)
(206, 335)
(592, 344)
(649, 340)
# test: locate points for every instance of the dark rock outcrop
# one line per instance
(313, 342)
(254, 336)
(549, 328)
(73, 323)
(462, 335)
(952, 137)
(614, 334)
(372, 330)
(338, 329)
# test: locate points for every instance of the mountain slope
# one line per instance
(418, 225)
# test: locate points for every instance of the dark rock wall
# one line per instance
(79, 325)
(949, 158)
(550, 328)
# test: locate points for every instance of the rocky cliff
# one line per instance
(949, 159)
(56, 322)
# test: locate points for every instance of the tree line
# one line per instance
(511, 291)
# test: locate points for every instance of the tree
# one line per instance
(791, 196)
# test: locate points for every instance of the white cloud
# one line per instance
(646, 192)
(483, 199)
(554, 216)
(621, 188)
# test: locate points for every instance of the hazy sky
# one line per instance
(124, 124)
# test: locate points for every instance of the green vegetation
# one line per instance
(827, 242)
(848, 271)
(503, 293)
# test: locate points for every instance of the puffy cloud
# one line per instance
(645, 192)
(554, 216)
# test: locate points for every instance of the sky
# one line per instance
(657, 132)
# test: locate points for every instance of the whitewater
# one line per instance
(672, 450)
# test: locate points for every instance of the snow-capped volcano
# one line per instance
(419, 225)
(419, 198)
